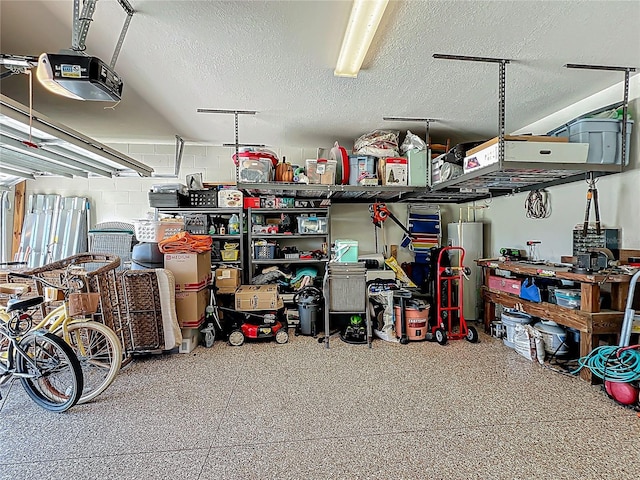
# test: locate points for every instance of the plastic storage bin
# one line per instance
(568, 298)
(321, 171)
(155, 231)
(312, 225)
(145, 256)
(603, 136)
(264, 252)
(167, 199)
(360, 167)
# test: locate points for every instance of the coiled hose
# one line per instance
(618, 364)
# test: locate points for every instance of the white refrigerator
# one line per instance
(468, 235)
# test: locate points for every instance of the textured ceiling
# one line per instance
(277, 57)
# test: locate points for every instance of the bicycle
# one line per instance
(96, 346)
(48, 369)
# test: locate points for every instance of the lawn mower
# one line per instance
(256, 326)
(237, 326)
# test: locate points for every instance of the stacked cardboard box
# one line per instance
(227, 279)
(192, 272)
(258, 297)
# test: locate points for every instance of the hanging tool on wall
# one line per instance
(380, 213)
(592, 194)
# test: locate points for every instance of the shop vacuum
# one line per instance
(309, 301)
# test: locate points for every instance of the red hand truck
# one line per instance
(449, 297)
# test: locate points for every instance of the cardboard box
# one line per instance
(229, 198)
(190, 308)
(393, 171)
(276, 202)
(192, 271)
(190, 340)
(321, 171)
(535, 149)
(251, 202)
(227, 280)
(258, 297)
(417, 167)
(503, 284)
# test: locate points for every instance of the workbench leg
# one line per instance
(489, 315)
(619, 294)
(586, 345)
(590, 297)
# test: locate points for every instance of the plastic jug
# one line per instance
(234, 225)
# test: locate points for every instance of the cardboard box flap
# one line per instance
(517, 138)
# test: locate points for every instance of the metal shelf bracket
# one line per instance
(625, 100)
(501, 92)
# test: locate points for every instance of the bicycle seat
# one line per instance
(14, 288)
(16, 304)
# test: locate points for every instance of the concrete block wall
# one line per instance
(126, 198)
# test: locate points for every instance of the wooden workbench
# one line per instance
(589, 319)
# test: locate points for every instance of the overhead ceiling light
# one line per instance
(363, 23)
(56, 148)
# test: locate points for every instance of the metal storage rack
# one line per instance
(224, 214)
(308, 241)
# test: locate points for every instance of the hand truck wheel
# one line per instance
(472, 335)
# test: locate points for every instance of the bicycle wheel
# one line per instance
(100, 354)
(54, 379)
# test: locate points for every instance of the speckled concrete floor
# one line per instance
(300, 411)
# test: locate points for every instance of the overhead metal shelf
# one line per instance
(489, 181)
(338, 193)
(512, 177)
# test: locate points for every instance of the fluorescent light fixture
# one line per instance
(57, 149)
(363, 23)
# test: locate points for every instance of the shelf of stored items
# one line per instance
(213, 216)
(493, 180)
(590, 320)
(549, 163)
(337, 193)
(264, 224)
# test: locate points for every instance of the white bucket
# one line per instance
(554, 336)
(511, 318)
